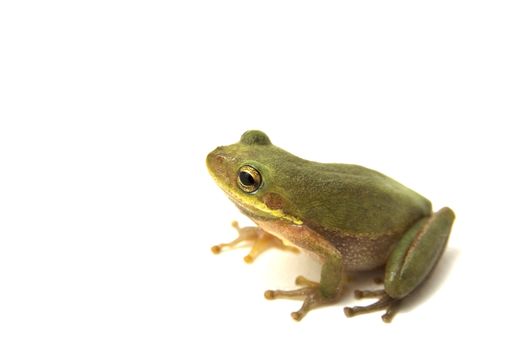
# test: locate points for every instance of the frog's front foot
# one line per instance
(260, 240)
(311, 294)
(384, 302)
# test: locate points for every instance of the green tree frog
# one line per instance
(353, 218)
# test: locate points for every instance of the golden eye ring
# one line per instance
(249, 179)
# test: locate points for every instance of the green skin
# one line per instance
(351, 217)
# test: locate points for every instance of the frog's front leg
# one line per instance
(260, 240)
(332, 281)
(411, 261)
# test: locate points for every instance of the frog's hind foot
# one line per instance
(310, 294)
(384, 302)
(258, 238)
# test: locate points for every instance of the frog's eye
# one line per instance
(249, 179)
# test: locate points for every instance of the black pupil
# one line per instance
(246, 178)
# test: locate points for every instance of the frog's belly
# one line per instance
(360, 253)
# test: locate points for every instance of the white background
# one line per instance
(107, 213)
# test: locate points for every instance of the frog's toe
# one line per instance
(360, 294)
(246, 234)
(297, 293)
(263, 242)
(385, 302)
(311, 297)
(304, 281)
(308, 303)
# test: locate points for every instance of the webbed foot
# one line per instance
(311, 294)
(260, 240)
(384, 302)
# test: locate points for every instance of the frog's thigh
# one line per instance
(417, 253)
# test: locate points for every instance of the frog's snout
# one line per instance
(216, 162)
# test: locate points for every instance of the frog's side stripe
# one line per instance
(259, 205)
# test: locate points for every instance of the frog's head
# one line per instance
(253, 174)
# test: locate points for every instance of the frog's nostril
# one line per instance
(215, 161)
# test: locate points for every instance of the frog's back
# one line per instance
(359, 201)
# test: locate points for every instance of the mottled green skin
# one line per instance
(347, 199)
(351, 216)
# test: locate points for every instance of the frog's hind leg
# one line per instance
(417, 253)
(260, 240)
(411, 261)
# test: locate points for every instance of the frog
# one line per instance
(352, 218)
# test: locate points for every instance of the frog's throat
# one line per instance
(252, 206)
